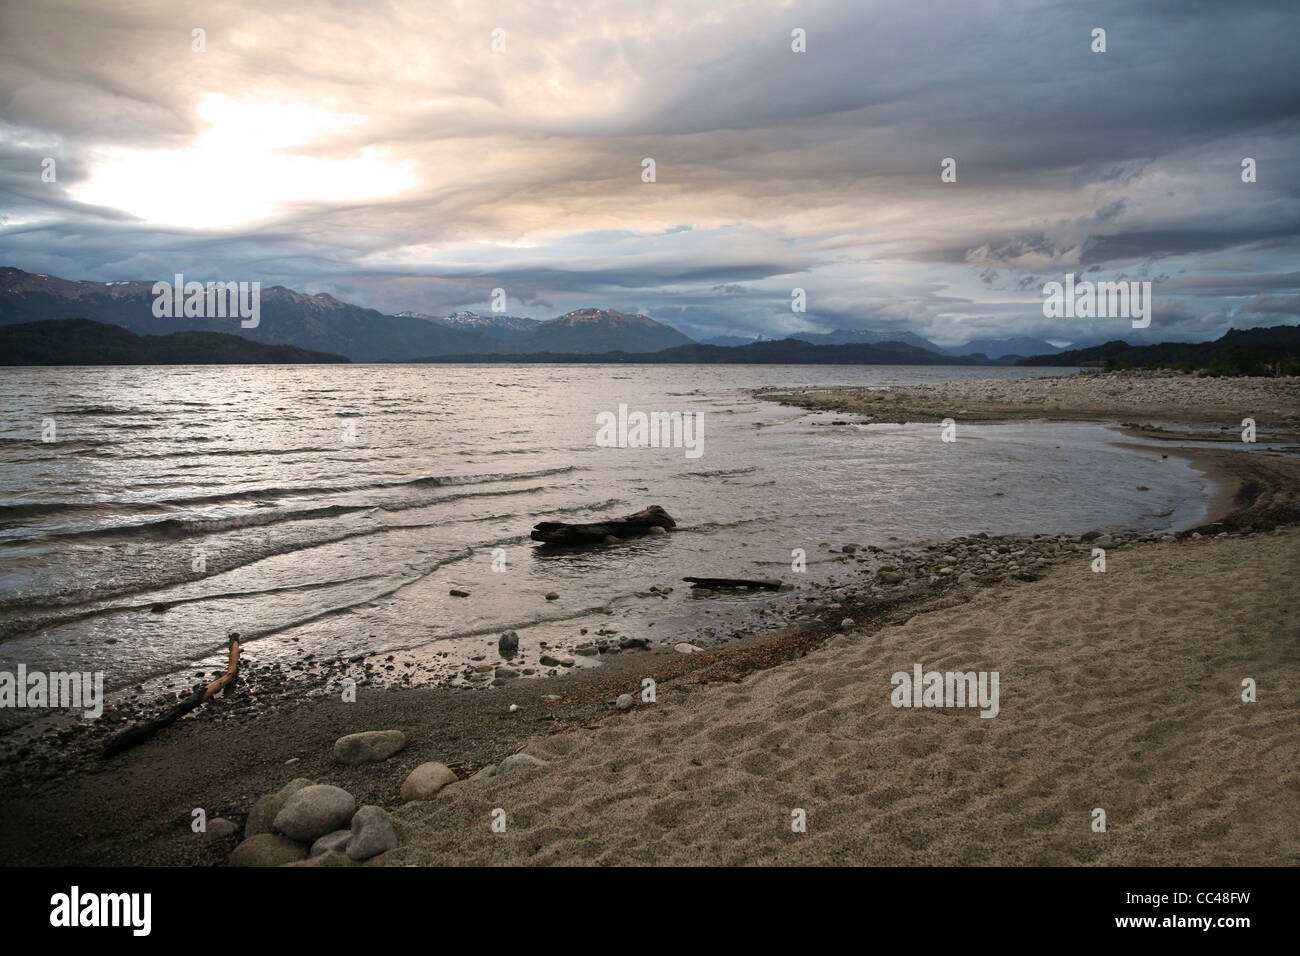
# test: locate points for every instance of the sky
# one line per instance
(415, 156)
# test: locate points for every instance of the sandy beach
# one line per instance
(1122, 692)
(1119, 690)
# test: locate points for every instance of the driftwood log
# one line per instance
(643, 522)
(721, 584)
(142, 732)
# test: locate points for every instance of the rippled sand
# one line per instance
(1120, 691)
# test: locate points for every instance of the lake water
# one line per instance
(329, 509)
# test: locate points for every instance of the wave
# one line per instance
(99, 410)
(254, 554)
(50, 508)
(719, 473)
(23, 626)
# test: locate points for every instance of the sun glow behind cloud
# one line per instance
(328, 151)
(242, 169)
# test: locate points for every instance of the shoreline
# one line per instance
(200, 762)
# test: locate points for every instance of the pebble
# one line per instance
(625, 702)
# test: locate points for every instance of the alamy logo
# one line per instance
(651, 430)
(216, 300)
(950, 689)
(56, 689)
(102, 909)
(1098, 300)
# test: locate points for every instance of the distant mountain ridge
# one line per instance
(83, 342)
(604, 330)
(869, 337)
(1260, 351)
(1016, 347)
(769, 352)
(504, 327)
(999, 348)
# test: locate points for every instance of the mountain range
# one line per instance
(317, 322)
(789, 351)
(322, 323)
(325, 324)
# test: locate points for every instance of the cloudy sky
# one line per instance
(386, 153)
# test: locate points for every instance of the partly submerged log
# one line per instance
(142, 732)
(721, 584)
(643, 522)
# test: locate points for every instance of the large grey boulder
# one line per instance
(267, 849)
(315, 811)
(426, 780)
(371, 746)
(262, 813)
(372, 833)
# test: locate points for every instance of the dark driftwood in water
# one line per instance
(717, 584)
(142, 732)
(559, 532)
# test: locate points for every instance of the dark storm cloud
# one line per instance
(383, 153)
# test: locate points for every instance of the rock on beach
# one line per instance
(370, 746)
(315, 811)
(262, 814)
(372, 833)
(426, 780)
(267, 849)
